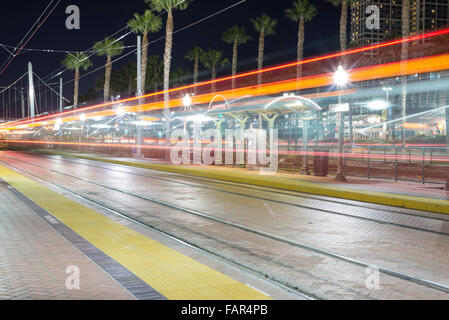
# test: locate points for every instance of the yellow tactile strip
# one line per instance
(171, 273)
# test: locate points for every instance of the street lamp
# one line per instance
(187, 101)
(377, 105)
(83, 120)
(340, 77)
(385, 128)
(340, 80)
(120, 112)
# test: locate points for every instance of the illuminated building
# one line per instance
(425, 15)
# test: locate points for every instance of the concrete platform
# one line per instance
(43, 233)
(34, 258)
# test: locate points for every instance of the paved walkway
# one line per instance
(42, 233)
(34, 258)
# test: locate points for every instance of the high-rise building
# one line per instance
(425, 15)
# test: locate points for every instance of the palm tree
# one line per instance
(194, 55)
(404, 57)
(110, 48)
(144, 24)
(211, 59)
(265, 26)
(155, 72)
(343, 20)
(129, 74)
(179, 77)
(76, 62)
(168, 6)
(236, 36)
(303, 11)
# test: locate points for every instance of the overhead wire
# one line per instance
(38, 19)
(31, 36)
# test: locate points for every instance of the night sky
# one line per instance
(100, 18)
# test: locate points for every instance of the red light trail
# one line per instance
(321, 58)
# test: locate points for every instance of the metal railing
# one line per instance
(417, 164)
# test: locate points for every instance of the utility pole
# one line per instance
(31, 91)
(139, 140)
(305, 135)
(23, 104)
(341, 135)
(60, 95)
(139, 66)
(340, 79)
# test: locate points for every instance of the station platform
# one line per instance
(49, 242)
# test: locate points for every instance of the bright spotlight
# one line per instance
(120, 112)
(83, 117)
(199, 118)
(187, 101)
(377, 105)
(340, 76)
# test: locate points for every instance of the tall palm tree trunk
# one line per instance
(130, 87)
(144, 61)
(343, 30)
(404, 58)
(261, 55)
(107, 79)
(167, 63)
(76, 89)
(214, 76)
(234, 62)
(343, 26)
(196, 69)
(300, 48)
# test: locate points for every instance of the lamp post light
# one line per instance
(83, 120)
(187, 102)
(305, 133)
(340, 80)
(385, 127)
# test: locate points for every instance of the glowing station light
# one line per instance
(199, 118)
(377, 105)
(83, 117)
(57, 125)
(187, 101)
(341, 76)
(120, 112)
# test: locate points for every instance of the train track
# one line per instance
(310, 248)
(243, 186)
